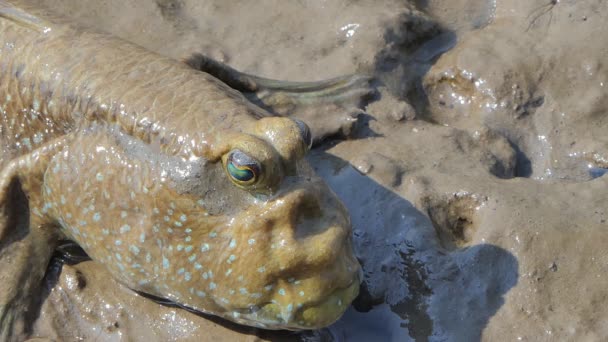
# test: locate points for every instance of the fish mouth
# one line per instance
(307, 316)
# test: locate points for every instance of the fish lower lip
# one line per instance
(312, 316)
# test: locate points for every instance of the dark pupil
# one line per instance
(241, 173)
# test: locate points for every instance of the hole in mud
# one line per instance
(169, 9)
(454, 219)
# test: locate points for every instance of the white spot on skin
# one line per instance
(212, 286)
(188, 249)
(228, 272)
(118, 242)
(99, 177)
(165, 263)
(231, 258)
(262, 269)
(27, 143)
(192, 258)
(301, 293)
(268, 287)
(134, 249)
(232, 244)
(96, 217)
(198, 266)
(105, 231)
(142, 237)
(188, 239)
(37, 138)
(183, 218)
(188, 230)
(201, 293)
(251, 242)
(123, 214)
(205, 247)
(212, 234)
(282, 292)
(125, 228)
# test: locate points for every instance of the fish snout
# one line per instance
(316, 273)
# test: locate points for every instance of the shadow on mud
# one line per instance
(413, 288)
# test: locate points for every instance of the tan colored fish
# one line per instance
(165, 175)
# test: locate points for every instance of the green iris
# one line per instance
(241, 174)
(242, 169)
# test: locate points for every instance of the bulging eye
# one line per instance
(242, 169)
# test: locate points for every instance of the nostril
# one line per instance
(309, 220)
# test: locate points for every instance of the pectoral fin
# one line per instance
(27, 241)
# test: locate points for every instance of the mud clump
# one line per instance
(455, 219)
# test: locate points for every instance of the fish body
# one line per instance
(172, 180)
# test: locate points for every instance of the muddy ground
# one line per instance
(475, 177)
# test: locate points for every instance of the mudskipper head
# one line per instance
(253, 236)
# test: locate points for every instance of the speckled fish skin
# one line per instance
(131, 148)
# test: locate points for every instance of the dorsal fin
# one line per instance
(20, 17)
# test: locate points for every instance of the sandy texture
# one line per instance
(475, 181)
